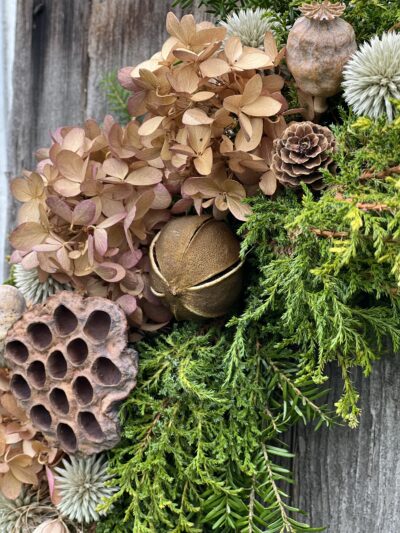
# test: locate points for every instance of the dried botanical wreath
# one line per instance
(242, 203)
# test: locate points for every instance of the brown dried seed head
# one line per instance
(301, 153)
(195, 267)
(70, 367)
(323, 12)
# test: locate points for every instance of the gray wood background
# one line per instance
(348, 480)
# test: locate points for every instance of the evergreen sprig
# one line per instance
(199, 454)
(329, 266)
(116, 97)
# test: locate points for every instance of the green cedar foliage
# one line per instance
(117, 97)
(201, 450)
(330, 266)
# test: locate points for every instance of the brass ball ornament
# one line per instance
(195, 267)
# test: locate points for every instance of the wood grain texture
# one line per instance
(50, 71)
(349, 480)
(123, 36)
(49, 78)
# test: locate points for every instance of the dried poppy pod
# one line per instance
(195, 267)
(319, 45)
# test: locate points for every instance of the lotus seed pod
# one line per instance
(70, 368)
(12, 306)
(319, 45)
(195, 267)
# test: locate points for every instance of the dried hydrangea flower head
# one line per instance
(301, 153)
(250, 25)
(82, 486)
(206, 101)
(102, 199)
(71, 368)
(23, 454)
(372, 77)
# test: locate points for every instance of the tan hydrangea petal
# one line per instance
(263, 106)
(196, 117)
(10, 486)
(214, 67)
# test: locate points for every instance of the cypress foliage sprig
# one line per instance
(329, 266)
(199, 454)
(116, 96)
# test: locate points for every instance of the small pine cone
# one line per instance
(299, 155)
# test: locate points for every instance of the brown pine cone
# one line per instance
(299, 155)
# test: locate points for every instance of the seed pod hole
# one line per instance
(40, 417)
(89, 424)
(98, 325)
(83, 390)
(67, 438)
(59, 401)
(37, 374)
(19, 387)
(77, 351)
(66, 321)
(57, 365)
(40, 335)
(106, 372)
(17, 351)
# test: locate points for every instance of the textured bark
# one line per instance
(347, 479)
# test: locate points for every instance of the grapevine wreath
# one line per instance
(183, 272)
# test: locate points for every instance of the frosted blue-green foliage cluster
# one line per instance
(81, 482)
(250, 25)
(34, 290)
(25, 513)
(372, 77)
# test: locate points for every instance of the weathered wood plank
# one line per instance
(50, 71)
(349, 480)
(7, 38)
(123, 36)
(50, 76)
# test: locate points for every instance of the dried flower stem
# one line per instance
(371, 206)
(329, 234)
(369, 174)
